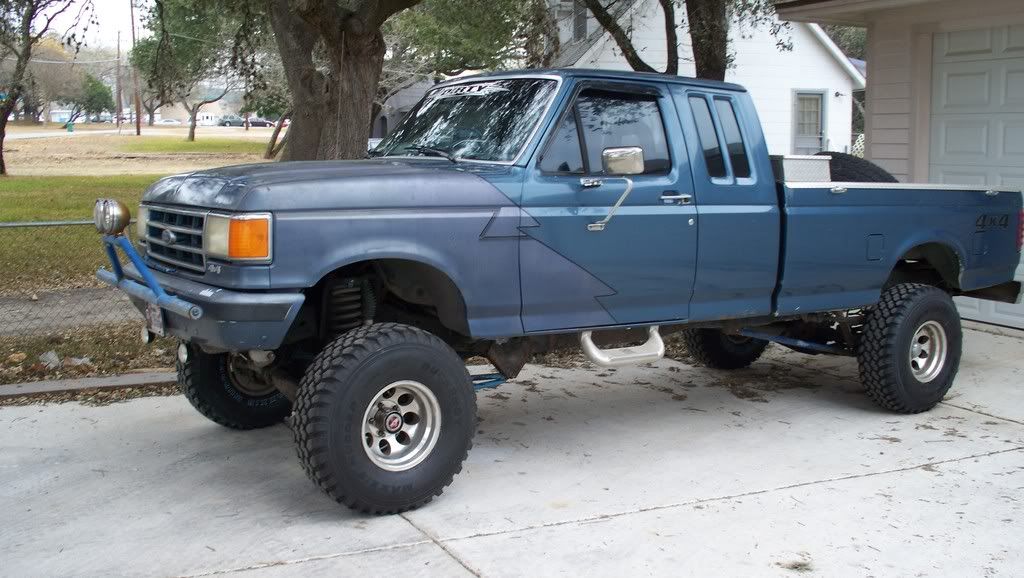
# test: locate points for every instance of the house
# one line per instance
(946, 98)
(803, 96)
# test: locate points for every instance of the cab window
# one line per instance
(607, 119)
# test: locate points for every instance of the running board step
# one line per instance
(652, 350)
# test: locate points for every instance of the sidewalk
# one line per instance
(785, 469)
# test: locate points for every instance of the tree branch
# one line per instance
(671, 38)
(609, 23)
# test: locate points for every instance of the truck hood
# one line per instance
(326, 185)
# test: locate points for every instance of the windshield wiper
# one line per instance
(432, 151)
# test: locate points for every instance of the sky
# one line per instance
(113, 16)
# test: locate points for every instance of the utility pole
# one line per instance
(118, 82)
(135, 78)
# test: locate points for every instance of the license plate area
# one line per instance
(155, 319)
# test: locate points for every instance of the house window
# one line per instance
(808, 123)
(708, 137)
(579, 21)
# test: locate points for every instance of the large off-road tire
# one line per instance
(909, 352)
(847, 168)
(223, 391)
(715, 349)
(384, 418)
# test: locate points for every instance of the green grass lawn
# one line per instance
(174, 144)
(67, 197)
(51, 258)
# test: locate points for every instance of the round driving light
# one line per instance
(111, 216)
(182, 353)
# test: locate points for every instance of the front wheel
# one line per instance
(224, 388)
(909, 352)
(384, 418)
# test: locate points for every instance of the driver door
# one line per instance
(641, 267)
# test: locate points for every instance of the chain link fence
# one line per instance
(48, 279)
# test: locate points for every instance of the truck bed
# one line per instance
(841, 241)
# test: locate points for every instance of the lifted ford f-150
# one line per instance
(513, 213)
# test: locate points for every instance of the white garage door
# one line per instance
(977, 126)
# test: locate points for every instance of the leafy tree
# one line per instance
(158, 89)
(92, 98)
(708, 21)
(23, 24)
(188, 61)
(852, 40)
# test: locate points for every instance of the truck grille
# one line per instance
(176, 238)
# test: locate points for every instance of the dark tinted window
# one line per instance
(733, 139)
(708, 137)
(614, 119)
(562, 154)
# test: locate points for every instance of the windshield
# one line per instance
(487, 120)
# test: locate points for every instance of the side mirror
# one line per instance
(622, 161)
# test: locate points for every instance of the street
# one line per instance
(782, 469)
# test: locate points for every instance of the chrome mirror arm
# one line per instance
(600, 225)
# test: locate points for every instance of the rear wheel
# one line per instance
(909, 352)
(384, 418)
(225, 390)
(718, 350)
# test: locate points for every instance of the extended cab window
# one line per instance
(708, 136)
(733, 139)
(616, 119)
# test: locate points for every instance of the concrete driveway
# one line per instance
(783, 469)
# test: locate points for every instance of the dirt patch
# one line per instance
(93, 397)
(102, 154)
(82, 353)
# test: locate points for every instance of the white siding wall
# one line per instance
(899, 76)
(770, 75)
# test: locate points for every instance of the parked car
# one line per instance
(168, 121)
(513, 213)
(233, 120)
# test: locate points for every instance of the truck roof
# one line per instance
(599, 74)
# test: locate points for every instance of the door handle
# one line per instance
(590, 183)
(671, 196)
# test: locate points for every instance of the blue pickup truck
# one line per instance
(514, 213)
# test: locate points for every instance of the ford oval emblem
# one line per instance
(168, 237)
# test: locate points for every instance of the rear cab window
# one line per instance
(725, 150)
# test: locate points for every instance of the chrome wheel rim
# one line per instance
(401, 425)
(928, 351)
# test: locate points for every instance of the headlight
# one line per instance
(239, 237)
(111, 216)
(142, 222)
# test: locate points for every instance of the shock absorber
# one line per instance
(348, 303)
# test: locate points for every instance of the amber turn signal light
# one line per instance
(249, 238)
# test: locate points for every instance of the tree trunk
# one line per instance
(151, 117)
(193, 113)
(4, 115)
(272, 148)
(332, 111)
(709, 37)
